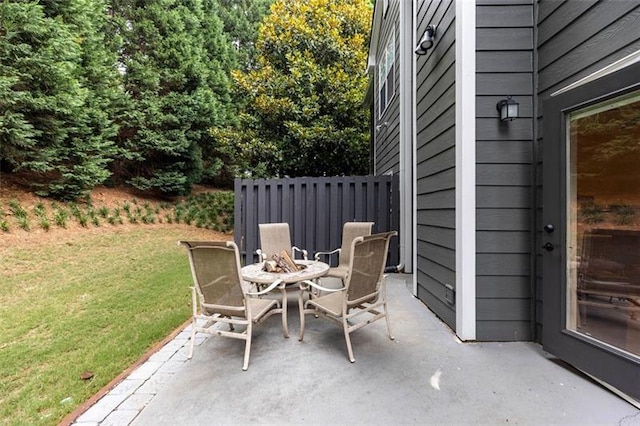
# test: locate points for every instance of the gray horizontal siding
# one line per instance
(501, 287)
(504, 15)
(504, 152)
(506, 38)
(501, 219)
(503, 242)
(435, 158)
(510, 310)
(504, 176)
(494, 331)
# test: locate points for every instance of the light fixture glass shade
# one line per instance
(426, 42)
(509, 109)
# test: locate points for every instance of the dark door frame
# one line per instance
(614, 367)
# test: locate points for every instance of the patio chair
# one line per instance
(275, 237)
(350, 231)
(222, 296)
(364, 292)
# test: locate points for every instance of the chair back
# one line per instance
(350, 231)
(274, 237)
(367, 266)
(215, 267)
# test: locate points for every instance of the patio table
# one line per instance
(255, 273)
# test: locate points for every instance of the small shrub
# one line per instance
(103, 212)
(60, 217)
(83, 220)
(623, 214)
(45, 224)
(23, 222)
(592, 213)
(4, 225)
(39, 209)
(17, 209)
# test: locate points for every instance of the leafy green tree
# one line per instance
(304, 114)
(57, 87)
(175, 63)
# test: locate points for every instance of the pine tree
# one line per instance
(174, 59)
(57, 90)
(242, 19)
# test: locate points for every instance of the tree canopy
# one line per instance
(162, 94)
(304, 112)
(58, 88)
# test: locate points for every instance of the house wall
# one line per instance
(575, 39)
(505, 297)
(435, 160)
(387, 146)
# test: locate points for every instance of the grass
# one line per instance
(93, 302)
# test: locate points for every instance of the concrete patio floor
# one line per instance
(425, 376)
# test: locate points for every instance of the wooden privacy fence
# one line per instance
(315, 209)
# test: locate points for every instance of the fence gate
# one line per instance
(315, 209)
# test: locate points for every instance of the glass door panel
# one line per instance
(603, 223)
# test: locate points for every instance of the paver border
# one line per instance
(71, 417)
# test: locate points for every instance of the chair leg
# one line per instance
(386, 317)
(301, 310)
(247, 347)
(193, 339)
(285, 326)
(345, 327)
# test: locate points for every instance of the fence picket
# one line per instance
(316, 209)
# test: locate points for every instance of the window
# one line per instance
(386, 73)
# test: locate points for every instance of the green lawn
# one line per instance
(88, 302)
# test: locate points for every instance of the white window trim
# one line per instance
(466, 169)
(391, 42)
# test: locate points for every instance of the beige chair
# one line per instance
(350, 231)
(275, 237)
(222, 296)
(364, 292)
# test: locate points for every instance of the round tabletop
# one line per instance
(256, 274)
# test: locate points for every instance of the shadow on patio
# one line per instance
(425, 376)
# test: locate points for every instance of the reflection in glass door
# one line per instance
(603, 229)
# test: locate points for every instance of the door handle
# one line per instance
(548, 247)
(549, 228)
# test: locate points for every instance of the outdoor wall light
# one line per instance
(382, 126)
(426, 42)
(508, 109)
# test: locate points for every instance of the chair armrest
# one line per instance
(304, 252)
(325, 253)
(304, 285)
(273, 285)
(261, 255)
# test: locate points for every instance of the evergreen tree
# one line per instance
(57, 87)
(304, 115)
(174, 60)
(242, 19)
